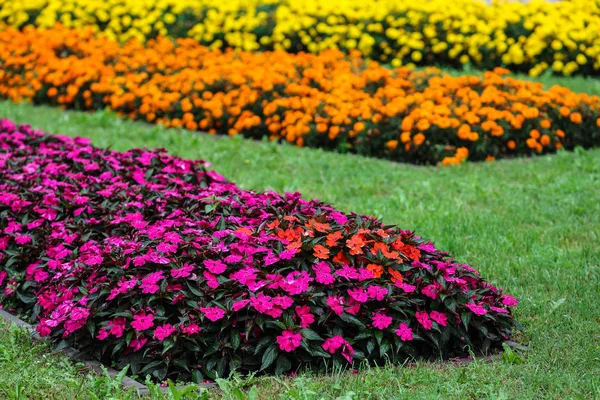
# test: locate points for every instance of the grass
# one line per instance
(531, 226)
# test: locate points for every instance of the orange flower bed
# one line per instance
(330, 100)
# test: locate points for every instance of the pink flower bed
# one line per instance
(146, 259)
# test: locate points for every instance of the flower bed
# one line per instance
(147, 259)
(538, 36)
(329, 100)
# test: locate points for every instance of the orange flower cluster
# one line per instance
(331, 100)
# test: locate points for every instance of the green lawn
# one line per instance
(531, 226)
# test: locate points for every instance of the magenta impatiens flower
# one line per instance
(306, 318)
(336, 304)
(333, 344)
(215, 266)
(476, 308)
(439, 317)
(182, 272)
(142, 321)
(509, 301)
(213, 313)
(288, 340)
(191, 329)
(431, 291)
(381, 321)
(404, 332)
(424, 320)
(164, 331)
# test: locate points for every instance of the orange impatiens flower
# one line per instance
(396, 276)
(376, 270)
(340, 258)
(317, 226)
(321, 252)
(355, 244)
(332, 238)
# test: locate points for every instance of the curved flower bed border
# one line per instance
(145, 259)
(329, 101)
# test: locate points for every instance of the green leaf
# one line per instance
(269, 357)
(235, 339)
(309, 334)
(351, 319)
(282, 365)
(370, 346)
(197, 376)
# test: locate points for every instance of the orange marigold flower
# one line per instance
(545, 140)
(534, 133)
(564, 111)
(392, 144)
(511, 144)
(575, 118)
(419, 139)
(560, 133)
(546, 124)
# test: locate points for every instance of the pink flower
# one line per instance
(306, 318)
(431, 290)
(439, 317)
(405, 287)
(476, 309)
(424, 320)
(40, 275)
(358, 294)
(500, 310)
(149, 283)
(238, 305)
(283, 301)
(381, 321)
(509, 301)
(191, 329)
(117, 326)
(102, 334)
(137, 343)
(22, 239)
(404, 332)
(334, 343)
(182, 272)
(142, 321)
(163, 332)
(376, 292)
(213, 313)
(216, 267)
(323, 273)
(211, 280)
(336, 304)
(288, 340)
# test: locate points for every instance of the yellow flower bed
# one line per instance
(539, 36)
